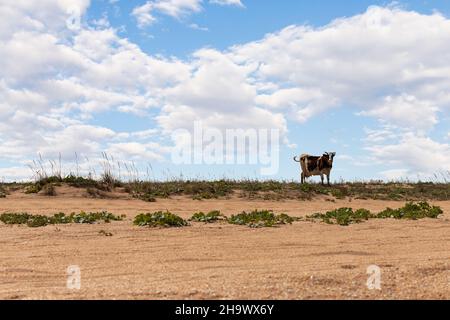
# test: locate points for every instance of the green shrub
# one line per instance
(59, 218)
(147, 198)
(339, 193)
(80, 182)
(346, 216)
(343, 216)
(259, 219)
(412, 211)
(34, 188)
(38, 221)
(49, 190)
(15, 218)
(210, 217)
(92, 217)
(159, 219)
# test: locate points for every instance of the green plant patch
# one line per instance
(343, 216)
(209, 217)
(413, 211)
(159, 219)
(59, 218)
(346, 216)
(148, 198)
(34, 188)
(92, 217)
(49, 190)
(260, 219)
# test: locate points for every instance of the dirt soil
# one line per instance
(304, 260)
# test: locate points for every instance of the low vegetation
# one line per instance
(412, 211)
(59, 218)
(49, 172)
(209, 217)
(49, 190)
(284, 190)
(3, 192)
(259, 219)
(159, 219)
(343, 216)
(198, 190)
(346, 216)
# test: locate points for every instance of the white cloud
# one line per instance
(138, 151)
(48, 16)
(395, 174)
(237, 3)
(371, 62)
(146, 13)
(380, 135)
(197, 27)
(406, 111)
(413, 154)
(174, 8)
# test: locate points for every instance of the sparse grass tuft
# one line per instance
(159, 219)
(259, 219)
(210, 217)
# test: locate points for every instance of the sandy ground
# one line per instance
(303, 261)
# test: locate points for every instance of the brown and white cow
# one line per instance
(316, 166)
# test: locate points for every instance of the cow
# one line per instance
(316, 166)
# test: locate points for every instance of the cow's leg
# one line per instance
(321, 178)
(303, 178)
(328, 179)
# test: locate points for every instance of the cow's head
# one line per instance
(329, 156)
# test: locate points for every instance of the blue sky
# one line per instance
(370, 85)
(231, 25)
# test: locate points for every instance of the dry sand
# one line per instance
(303, 261)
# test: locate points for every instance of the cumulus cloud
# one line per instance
(372, 63)
(54, 80)
(174, 8)
(406, 111)
(146, 13)
(413, 154)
